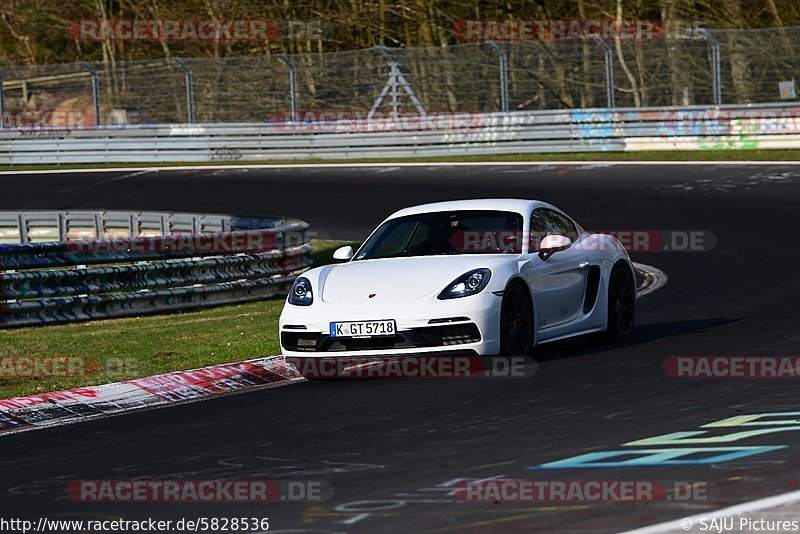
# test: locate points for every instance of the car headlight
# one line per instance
(301, 294)
(470, 283)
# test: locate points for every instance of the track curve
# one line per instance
(389, 448)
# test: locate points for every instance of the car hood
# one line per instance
(396, 279)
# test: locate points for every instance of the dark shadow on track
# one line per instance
(642, 333)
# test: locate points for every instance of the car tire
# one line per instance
(621, 302)
(516, 321)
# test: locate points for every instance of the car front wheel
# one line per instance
(516, 321)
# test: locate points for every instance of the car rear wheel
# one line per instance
(621, 303)
(516, 321)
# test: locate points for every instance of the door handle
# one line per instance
(583, 265)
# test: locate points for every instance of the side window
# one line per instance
(546, 222)
(568, 227)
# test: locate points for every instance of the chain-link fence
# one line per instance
(702, 68)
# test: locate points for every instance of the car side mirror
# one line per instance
(343, 253)
(552, 244)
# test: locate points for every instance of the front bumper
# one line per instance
(469, 324)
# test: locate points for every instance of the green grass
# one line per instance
(141, 346)
(653, 155)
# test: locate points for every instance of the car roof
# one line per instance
(517, 205)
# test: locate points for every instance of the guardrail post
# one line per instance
(22, 224)
(393, 91)
(609, 70)
(95, 91)
(503, 75)
(187, 77)
(283, 58)
(717, 82)
(2, 104)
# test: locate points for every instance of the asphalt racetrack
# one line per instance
(391, 449)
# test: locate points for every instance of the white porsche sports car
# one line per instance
(494, 276)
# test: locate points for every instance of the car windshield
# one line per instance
(445, 233)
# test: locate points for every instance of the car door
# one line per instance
(559, 281)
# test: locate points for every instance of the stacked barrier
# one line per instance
(55, 282)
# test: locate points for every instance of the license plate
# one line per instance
(363, 329)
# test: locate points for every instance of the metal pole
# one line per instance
(2, 104)
(503, 75)
(95, 91)
(396, 80)
(715, 60)
(409, 91)
(378, 101)
(609, 64)
(393, 80)
(187, 76)
(292, 85)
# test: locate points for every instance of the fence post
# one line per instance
(609, 68)
(503, 75)
(283, 58)
(2, 104)
(712, 41)
(187, 77)
(95, 91)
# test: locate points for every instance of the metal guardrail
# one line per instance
(585, 130)
(50, 226)
(194, 261)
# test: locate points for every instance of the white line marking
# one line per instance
(739, 509)
(355, 519)
(108, 181)
(379, 164)
(660, 278)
